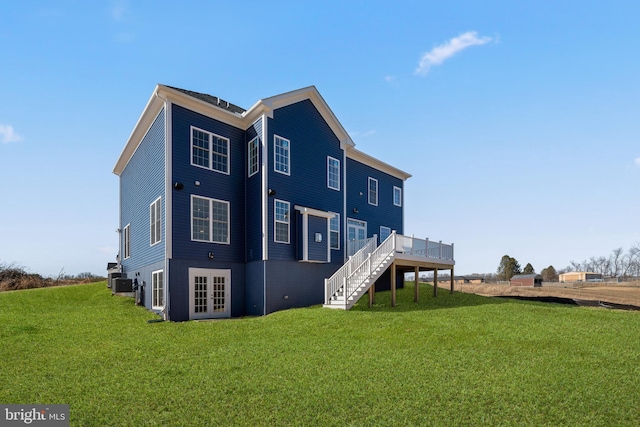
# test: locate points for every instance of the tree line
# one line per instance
(618, 264)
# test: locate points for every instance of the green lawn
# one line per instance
(456, 360)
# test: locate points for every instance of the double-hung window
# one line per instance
(334, 232)
(282, 160)
(253, 157)
(209, 220)
(333, 173)
(155, 221)
(373, 191)
(397, 196)
(281, 218)
(127, 241)
(209, 151)
(157, 289)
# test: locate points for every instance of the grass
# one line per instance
(456, 360)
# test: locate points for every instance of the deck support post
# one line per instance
(416, 291)
(393, 284)
(435, 283)
(372, 294)
(451, 279)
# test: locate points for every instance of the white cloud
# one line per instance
(389, 78)
(119, 10)
(7, 135)
(441, 53)
(637, 161)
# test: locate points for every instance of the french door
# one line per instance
(209, 293)
(356, 235)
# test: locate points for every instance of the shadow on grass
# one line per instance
(405, 300)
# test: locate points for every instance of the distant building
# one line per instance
(580, 276)
(526, 280)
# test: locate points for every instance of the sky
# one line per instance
(519, 121)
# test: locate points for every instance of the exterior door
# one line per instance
(356, 234)
(209, 293)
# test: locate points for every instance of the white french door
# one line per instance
(209, 293)
(356, 235)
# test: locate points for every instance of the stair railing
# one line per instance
(338, 280)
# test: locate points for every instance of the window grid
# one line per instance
(209, 151)
(333, 173)
(209, 220)
(200, 294)
(155, 224)
(373, 191)
(334, 232)
(253, 157)
(397, 196)
(281, 217)
(157, 285)
(218, 294)
(127, 241)
(281, 155)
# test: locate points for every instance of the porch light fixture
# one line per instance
(178, 185)
(272, 192)
(211, 255)
(355, 210)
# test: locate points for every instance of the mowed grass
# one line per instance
(455, 360)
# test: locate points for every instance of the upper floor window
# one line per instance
(281, 218)
(334, 232)
(333, 173)
(384, 233)
(253, 157)
(397, 196)
(282, 161)
(157, 288)
(373, 191)
(209, 220)
(209, 150)
(155, 223)
(127, 241)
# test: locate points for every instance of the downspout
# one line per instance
(168, 206)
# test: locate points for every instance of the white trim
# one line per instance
(275, 221)
(329, 158)
(315, 212)
(305, 236)
(264, 158)
(168, 199)
(249, 172)
(210, 151)
(374, 203)
(305, 230)
(366, 159)
(152, 225)
(336, 215)
(394, 196)
(153, 290)
(343, 226)
(329, 240)
(126, 240)
(275, 163)
(211, 200)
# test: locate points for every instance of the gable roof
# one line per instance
(526, 276)
(236, 116)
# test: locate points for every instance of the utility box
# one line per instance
(120, 285)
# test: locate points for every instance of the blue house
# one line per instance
(227, 212)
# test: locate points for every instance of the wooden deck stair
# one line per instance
(347, 285)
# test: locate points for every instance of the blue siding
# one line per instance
(213, 184)
(254, 198)
(312, 140)
(386, 213)
(318, 250)
(142, 181)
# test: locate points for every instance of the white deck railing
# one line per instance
(339, 278)
(410, 245)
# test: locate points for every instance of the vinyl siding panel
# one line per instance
(141, 182)
(318, 250)
(311, 141)
(212, 184)
(385, 213)
(254, 198)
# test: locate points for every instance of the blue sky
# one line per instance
(519, 120)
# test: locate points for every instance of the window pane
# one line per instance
(220, 222)
(200, 148)
(333, 173)
(220, 154)
(253, 156)
(281, 221)
(200, 219)
(334, 235)
(281, 155)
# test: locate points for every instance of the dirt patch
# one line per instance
(623, 294)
